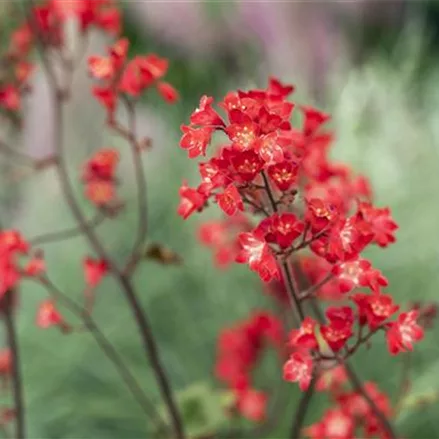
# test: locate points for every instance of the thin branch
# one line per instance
(65, 234)
(356, 384)
(139, 173)
(314, 288)
(302, 409)
(269, 192)
(109, 350)
(17, 385)
(148, 339)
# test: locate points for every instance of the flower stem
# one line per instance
(17, 385)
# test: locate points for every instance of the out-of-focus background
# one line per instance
(372, 65)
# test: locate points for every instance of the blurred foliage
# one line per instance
(386, 127)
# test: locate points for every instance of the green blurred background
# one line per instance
(374, 68)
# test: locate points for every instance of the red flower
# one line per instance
(320, 214)
(48, 315)
(155, 66)
(299, 369)
(276, 88)
(252, 404)
(375, 308)
(269, 149)
(382, 225)
(167, 92)
(35, 266)
(134, 79)
(191, 200)
(404, 332)
(101, 67)
(285, 229)
(195, 140)
(100, 192)
(94, 271)
(230, 201)
(313, 120)
(247, 164)
(347, 238)
(107, 97)
(304, 337)
(242, 131)
(10, 97)
(336, 424)
(205, 115)
(256, 253)
(102, 165)
(358, 273)
(339, 330)
(283, 174)
(99, 176)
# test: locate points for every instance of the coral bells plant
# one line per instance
(117, 82)
(301, 222)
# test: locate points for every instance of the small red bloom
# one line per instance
(167, 92)
(102, 165)
(304, 337)
(205, 115)
(283, 174)
(191, 200)
(320, 214)
(247, 164)
(48, 315)
(382, 225)
(35, 266)
(269, 149)
(195, 140)
(276, 88)
(154, 65)
(347, 238)
(404, 332)
(230, 201)
(336, 424)
(10, 97)
(101, 67)
(107, 97)
(375, 308)
(358, 273)
(313, 120)
(257, 254)
(242, 132)
(252, 404)
(100, 192)
(94, 271)
(299, 369)
(285, 229)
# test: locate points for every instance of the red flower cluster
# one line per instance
(12, 248)
(99, 176)
(238, 351)
(350, 415)
(46, 24)
(121, 78)
(308, 202)
(101, 14)
(17, 70)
